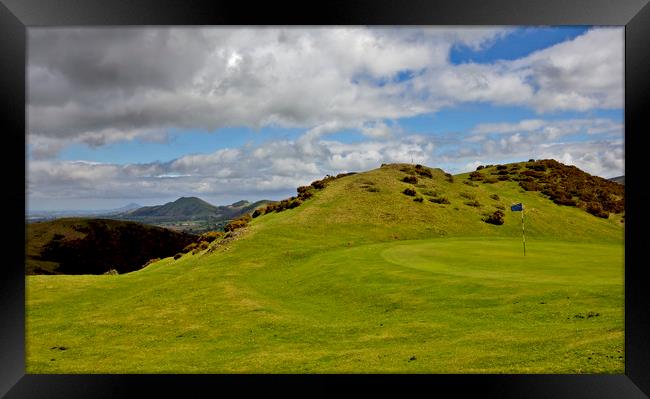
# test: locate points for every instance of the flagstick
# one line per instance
(523, 233)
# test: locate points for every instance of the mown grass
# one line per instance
(353, 281)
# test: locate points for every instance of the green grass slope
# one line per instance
(95, 246)
(357, 278)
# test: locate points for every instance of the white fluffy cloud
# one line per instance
(101, 85)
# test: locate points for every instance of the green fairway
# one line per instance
(355, 282)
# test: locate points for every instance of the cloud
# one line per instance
(102, 85)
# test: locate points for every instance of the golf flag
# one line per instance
(520, 208)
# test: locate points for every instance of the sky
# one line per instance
(149, 114)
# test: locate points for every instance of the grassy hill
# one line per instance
(191, 214)
(95, 246)
(354, 275)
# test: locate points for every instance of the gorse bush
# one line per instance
(409, 191)
(410, 179)
(238, 223)
(475, 176)
(495, 218)
(440, 200)
(210, 236)
(418, 199)
(597, 210)
(449, 177)
(473, 203)
(495, 197)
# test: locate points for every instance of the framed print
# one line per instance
(359, 194)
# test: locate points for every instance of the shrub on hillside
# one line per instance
(564, 200)
(237, 223)
(474, 176)
(258, 212)
(537, 167)
(410, 179)
(532, 173)
(495, 218)
(210, 236)
(418, 199)
(430, 193)
(467, 195)
(597, 210)
(439, 200)
(449, 177)
(150, 261)
(473, 203)
(178, 255)
(491, 180)
(409, 191)
(480, 167)
(189, 247)
(495, 197)
(529, 185)
(502, 167)
(424, 172)
(503, 178)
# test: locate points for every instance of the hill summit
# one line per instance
(184, 207)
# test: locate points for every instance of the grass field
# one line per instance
(355, 281)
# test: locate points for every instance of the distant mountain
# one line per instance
(191, 214)
(619, 179)
(94, 246)
(184, 207)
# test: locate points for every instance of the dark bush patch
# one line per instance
(467, 195)
(430, 193)
(474, 203)
(210, 236)
(189, 247)
(372, 189)
(440, 200)
(409, 191)
(178, 255)
(424, 172)
(564, 200)
(257, 212)
(418, 199)
(345, 174)
(503, 178)
(503, 172)
(449, 177)
(530, 185)
(495, 197)
(410, 179)
(474, 176)
(237, 223)
(480, 167)
(502, 167)
(597, 210)
(495, 218)
(531, 160)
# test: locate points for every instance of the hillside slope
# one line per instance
(94, 246)
(352, 275)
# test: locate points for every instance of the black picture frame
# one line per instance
(17, 15)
